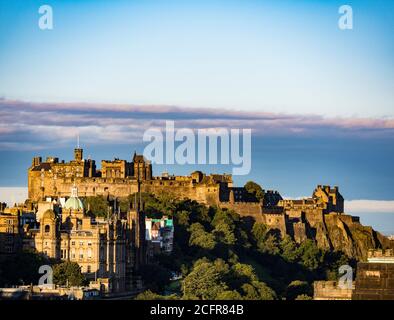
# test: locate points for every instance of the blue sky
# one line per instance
(279, 56)
(320, 100)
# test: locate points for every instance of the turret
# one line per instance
(78, 154)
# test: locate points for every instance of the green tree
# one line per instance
(228, 217)
(68, 273)
(297, 288)
(149, 295)
(205, 281)
(124, 204)
(289, 249)
(98, 205)
(311, 255)
(269, 245)
(257, 290)
(259, 231)
(255, 189)
(332, 262)
(223, 233)
(21, 268)
(200, 238)
(244, 270)
(182, 218)
(229, 295)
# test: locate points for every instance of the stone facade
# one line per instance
(52, 178)
(108, 251)
(330, 290)
(375, 280)
(9, 233)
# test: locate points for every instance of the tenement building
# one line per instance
(13, 222)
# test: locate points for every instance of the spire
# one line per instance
(78, 140)
(74, 191)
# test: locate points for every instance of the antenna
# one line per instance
(78, 140)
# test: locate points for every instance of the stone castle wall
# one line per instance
(374, 281)
(329, 290)
(46, 186)
(245, 209)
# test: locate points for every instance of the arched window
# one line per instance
(47, 228)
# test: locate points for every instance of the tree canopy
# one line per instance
(255, 189)
(220, 256)
(68, 273)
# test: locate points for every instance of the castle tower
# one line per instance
(78, 154)
(142, 168)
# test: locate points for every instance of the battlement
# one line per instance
(329, 290)
(381, 256)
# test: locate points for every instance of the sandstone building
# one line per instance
(108, 251)
(375, 278)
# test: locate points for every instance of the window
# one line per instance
(80, 253)
(73, 243)
(72, 253)
(89, 253)
(89, 270)
(47, 228)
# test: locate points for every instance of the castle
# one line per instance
(320, 217)
(112, 250)
(119, 178)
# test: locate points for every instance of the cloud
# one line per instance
(28, 126)
(369, 206)
(11, 195)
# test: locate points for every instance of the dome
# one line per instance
(49, 214)
(74, 203)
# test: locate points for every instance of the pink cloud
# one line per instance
(49, 123)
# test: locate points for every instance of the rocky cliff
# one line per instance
(345, 233)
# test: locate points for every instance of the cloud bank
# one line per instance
(11, 195)
(369, 206)
(31, 126)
